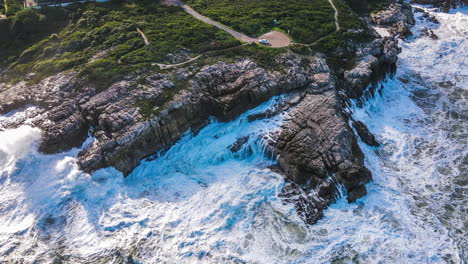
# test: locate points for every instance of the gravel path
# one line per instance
(277, 39)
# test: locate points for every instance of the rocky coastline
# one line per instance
(317, 148)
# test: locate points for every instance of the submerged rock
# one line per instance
(443, 5)
(133, 119)
(365, 135)
(427, 32)
(237, 146)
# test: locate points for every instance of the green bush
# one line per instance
(110, 30)
(11, 7)
(305, 20)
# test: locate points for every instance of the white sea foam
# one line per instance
(200, 203)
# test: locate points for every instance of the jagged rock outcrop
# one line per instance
(426, 15)
(427, 32)
(122, 136)
(398, 18)
(365, 135)
(443, 5)
(379, 57)
(316, 148)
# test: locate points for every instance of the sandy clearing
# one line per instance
(277, 39)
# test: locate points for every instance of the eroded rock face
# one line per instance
(318, 151)
(394, 14)
(398, 18)
(379, 57)
(123, 137)
(365, 135)
(316, 148)
(377, 60)
(443, 5)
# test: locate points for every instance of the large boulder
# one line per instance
(318, 151)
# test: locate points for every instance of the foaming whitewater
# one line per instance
(200, 203)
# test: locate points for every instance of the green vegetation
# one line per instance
(110, 29)
(10, 7)
(378, 5)
(28, 27)
(305, 20)
(368, 6)
(338, 46)
(263, 56)
(101, 41)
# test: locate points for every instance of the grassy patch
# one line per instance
(149, 108)
(265, 57)
(110, 29)
(364, 7)
(339, 46)
(305, 20)
(10, 7)
(28, 27)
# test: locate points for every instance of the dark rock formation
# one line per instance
(316, 148)
(430, 18)
(316, 140)
(443, 5)
(398, 18)
(123, 136)
(381, 58)
(237, 146)
(364, 133)
(427, 32)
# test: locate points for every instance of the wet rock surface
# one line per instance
(365, 134)
(318, 151)
(427, 32)
(398, 18)
(316, 148)
(443, 5)
(122, 135)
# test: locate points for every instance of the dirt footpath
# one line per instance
(277, 39)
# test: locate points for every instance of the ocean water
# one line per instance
(200, 203)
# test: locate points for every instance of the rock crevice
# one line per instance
(316, 148)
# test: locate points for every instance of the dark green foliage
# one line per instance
(110, 30)
(364, 7)
(305, 20)
(2, 7)
(378, 5)
(347, 18)
(263, 56)
(27, 27)
(340, 46)
(11, 7)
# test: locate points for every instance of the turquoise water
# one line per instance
(200, 203)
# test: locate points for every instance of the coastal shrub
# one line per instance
(28, 27)
(11, 7)
(365, 7)
(305, 20)
(108, 31)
